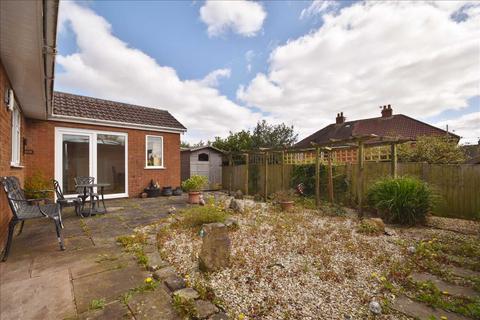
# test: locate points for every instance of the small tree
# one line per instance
(432, 149)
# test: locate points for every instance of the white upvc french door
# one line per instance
(94, 153)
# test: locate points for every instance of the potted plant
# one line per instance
(285, 198)
(193, 186)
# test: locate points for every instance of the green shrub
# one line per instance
(195, 217)
(194, 183)
(404, 200)
(37, 182)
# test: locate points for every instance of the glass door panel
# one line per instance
(111, 162)
(75, 160)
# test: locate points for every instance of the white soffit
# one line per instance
(22, 37)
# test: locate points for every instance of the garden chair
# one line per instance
(64, 202)
(22, 210)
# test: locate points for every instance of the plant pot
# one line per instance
(286, 205)
(194, 197)
(152, 193)
(177, 192)
(167, 191)
(143, 195)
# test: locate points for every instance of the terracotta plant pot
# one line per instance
(286, 205)
(194, 197)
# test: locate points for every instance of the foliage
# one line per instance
(37, 182)
(405, 200)
(431, 149)
(185, 307)
(96, 304)
(197, 216)
(201, 143)
(367, 227)
(194, 183)
(134, 244)
(263, 136)
(284, 195)
(306, 174)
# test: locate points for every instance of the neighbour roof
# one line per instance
(71, 105)
(399, 126)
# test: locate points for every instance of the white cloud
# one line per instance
(211, 79)
(408, 54)
(319, 7)
(467, 126)
(106, 67)
(241, 16)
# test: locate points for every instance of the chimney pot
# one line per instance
(340, 118)
(387, 111)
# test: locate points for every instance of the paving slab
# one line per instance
(108, 285)
(13, 270)
(114, 310)
(101, 264)
(61, 260)
(463, 272)
(46, 297)
(153, 305)
(444, 286)
(421, 311)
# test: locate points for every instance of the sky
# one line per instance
(221, 66)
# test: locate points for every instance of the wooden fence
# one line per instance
(457, 185)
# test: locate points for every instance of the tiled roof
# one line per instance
(71, 105)
(399, 126)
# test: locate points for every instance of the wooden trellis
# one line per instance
(354, 149)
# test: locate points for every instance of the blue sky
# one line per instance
(279, 61)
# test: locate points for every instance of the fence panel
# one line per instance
(457, 185)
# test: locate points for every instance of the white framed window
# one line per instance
(153, 152)
(16, 146)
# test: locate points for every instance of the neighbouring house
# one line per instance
(387, 125)
(472, 153)
(61, 135)
(205, 161)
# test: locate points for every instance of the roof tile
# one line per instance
(67, 104)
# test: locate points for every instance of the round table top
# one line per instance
(93, 185)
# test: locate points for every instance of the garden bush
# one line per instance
(404, 200)
(195, 217)
(194, 183)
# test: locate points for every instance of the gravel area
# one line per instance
(298, 265)
(457, 225)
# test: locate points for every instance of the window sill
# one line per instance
(154, 168)
(17, 166)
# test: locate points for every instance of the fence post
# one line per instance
(330, 177)
(246, 173)
(230, 166)
(265, 185)
(283, 169)
(393, 156)
(360, 177)
(317, 176)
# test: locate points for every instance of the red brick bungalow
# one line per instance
(61, 135)
(387, 125)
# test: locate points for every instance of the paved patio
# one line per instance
(40, 282)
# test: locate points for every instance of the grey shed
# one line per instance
(203, 161)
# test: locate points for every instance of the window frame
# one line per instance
(15, 159)
(146, 152)
(203, 153)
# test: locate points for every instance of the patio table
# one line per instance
(88, 191)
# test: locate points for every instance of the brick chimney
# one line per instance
(340, 118)
(387, 111)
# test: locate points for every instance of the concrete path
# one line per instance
(40, 282)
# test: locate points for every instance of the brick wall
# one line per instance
(41, 138)
(6, 154)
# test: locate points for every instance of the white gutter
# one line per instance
(117, 124)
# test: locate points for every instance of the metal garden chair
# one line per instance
(64, 202)
(22, 210)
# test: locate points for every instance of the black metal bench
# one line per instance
(22, 210)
